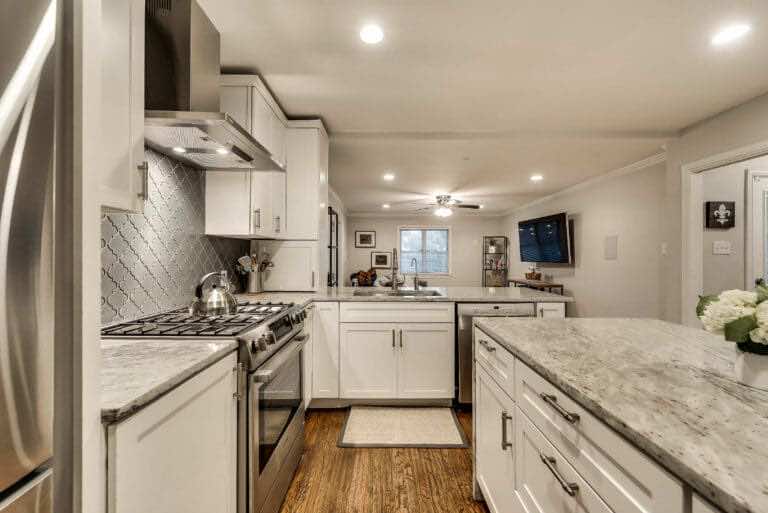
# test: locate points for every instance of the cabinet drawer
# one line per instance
(626, 479)
(368, 311)
(499, 362)
(546, 483)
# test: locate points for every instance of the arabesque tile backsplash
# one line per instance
(151, 262)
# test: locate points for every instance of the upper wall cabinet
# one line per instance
(125, 175)
(248, 101)
(307, 180)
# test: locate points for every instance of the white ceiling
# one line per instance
(567, 89)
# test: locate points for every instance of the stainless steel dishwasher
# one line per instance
(465, 312)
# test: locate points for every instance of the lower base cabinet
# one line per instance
(546, 483)
(494, 444)
(396, 361)
(179, 454)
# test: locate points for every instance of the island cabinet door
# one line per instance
(180, 452)
(546, 483)
(368, 361)
(494, 444)
(426, 357)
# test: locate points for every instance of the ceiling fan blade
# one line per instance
(473, 207)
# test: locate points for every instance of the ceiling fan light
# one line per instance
(443, 212)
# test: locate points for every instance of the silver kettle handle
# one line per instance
(223, 281)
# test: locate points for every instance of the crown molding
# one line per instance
(622, 171)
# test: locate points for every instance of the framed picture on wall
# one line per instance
(381, 259)
(720, 214)
(365, 239)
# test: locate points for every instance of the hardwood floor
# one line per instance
(335, 480)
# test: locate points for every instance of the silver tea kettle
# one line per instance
(217, 300)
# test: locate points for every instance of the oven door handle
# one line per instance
(267, 372)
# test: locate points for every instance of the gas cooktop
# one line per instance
(180, 323)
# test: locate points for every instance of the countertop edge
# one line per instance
(118, 414)
(704, 487)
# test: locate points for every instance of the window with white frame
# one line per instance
(429, 246)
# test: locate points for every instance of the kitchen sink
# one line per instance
(396, 293)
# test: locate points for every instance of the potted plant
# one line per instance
(742, 317)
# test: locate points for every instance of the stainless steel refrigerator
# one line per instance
(27, 30)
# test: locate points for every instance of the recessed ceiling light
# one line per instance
(222, 151)
(536, 178)
(371, 34)
(179, 149)
(385, 205)
(730, 33)
(388, 177)
(481, 206)
(443, 212)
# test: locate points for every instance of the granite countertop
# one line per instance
(448, 294)
(136, 372)
(667, 388)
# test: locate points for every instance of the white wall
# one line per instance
(466, 244)
(739, 127)
(628, 206)
(723, 272)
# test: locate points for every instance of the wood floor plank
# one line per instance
(331, 479)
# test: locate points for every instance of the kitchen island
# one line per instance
(666, 389)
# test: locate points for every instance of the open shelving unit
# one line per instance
(495, 260)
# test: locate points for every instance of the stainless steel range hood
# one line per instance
(182, 117)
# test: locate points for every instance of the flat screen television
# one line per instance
(546, 240)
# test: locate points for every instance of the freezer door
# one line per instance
(26, 308)
(34, 497)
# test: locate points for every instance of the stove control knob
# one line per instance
(263, 343)
(255, 346)
(270, 338)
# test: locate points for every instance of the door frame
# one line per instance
(692, 258)
(752, 250)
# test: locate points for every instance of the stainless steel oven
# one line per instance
(275, 425)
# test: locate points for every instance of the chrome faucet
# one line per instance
(415, 265)
(395, 268)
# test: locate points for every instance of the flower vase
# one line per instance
(751, 369)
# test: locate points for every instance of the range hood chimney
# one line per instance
(182, 72)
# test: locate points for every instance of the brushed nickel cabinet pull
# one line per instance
(393, 338)
(144, 169)
(240, 370)
(401, 339)
(487, 346)
(504, 443)
(551, 400)
(570, 488)
(257, 211)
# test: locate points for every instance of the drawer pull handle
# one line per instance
(487, 346)
(504, 418)
(551, 400)
(570, 488)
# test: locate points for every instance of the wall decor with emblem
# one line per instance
(720, 214)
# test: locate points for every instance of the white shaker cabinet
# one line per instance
(247, 99)
(494, 444)
(325, 351)
(550, 310)
(124, 178)
(425, 360)
(180, 452)
(396, 361)
(307, 181)
(245, 204)
(294, 266)
(368, 358)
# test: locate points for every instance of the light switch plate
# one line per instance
(722, 247)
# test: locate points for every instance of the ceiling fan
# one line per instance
(446, 204)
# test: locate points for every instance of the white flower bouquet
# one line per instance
(740, 315)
